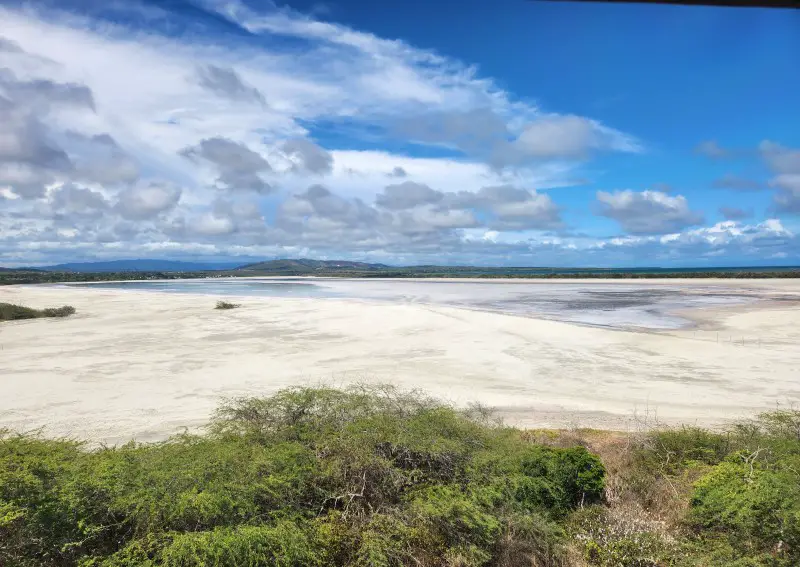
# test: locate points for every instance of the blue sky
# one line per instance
(516, 132)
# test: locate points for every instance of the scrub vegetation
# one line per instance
(11, 312)
(374, 476)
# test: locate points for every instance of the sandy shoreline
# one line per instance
(146, 364)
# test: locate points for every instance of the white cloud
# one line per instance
(158, 95)
(407, 195)
(570, 137)
(205, 143)
(239, 167)
(785, 164)
(787, 197)
(211, 225)
(147, 200)
(647, 212)
(307, 157)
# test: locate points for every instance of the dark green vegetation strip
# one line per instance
(378, 477)
(9, 277)
(12, 277)
(11, 312)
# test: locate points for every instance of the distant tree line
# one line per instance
(35, 277)
(31, 277)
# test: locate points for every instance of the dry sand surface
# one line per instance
(145, 365)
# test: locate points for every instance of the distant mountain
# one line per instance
(141, 266)
(305, 266)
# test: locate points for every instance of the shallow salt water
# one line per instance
(613, 305)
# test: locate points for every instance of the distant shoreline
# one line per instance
(28, 278)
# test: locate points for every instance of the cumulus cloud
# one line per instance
(103, 162)
(30, 159)
(567, 137)
(224, 219)
(724, 240)
(747, 238)
(32, 151)
(407, 195)
(647, 212)
(228, 217)
(319, 203)
(397, 171)
(69, 201)
(308, 157)
(147, 200)
(512, 208)
(239, 167)
(318, 217)
(432, 219)
(213, 225)
(408, 212)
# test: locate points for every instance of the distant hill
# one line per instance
(140, 266)
(305, 266)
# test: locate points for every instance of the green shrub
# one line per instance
(364, 476)
(283, 545)
(372, 476)
(756, 506)
(11, 312)
(751, 497)
(742, 488)
(560, 479)
(226, 305)
(671, 450)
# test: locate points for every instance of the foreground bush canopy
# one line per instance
(378, 477)
(306, 477)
